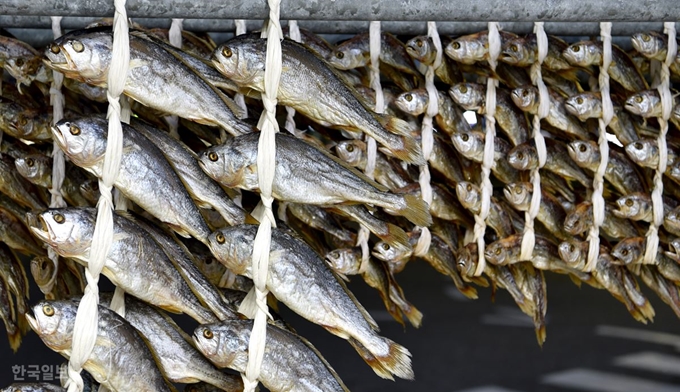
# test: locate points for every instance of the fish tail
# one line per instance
(13, 335)
(397, 126)
(414, 316)
(416, 210)
(396, 362)
(403, 146)
(370, 359)
(396, 235)
(231, 213)
(647, 310)
(541, 332)
(468, 291)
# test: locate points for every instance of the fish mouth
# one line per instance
(38, 227)
(32, 322)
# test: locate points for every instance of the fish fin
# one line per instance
(409, 150)
(647, 310)
(396, 235)
(576, 280)
(322, 359)
(414, 316)
(397, 126)
(237, 110)
(371, 360)
(416, 211)
(362, 310)
(480, 281)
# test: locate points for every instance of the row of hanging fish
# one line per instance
(190, 183)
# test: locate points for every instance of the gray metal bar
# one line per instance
(393, 10)
(350, 27)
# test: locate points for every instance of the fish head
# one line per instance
(53, 321)
(674, 171)
(42, 269)
(468, 49)
(469, 195)
(421, 48)
(83, 55)
(523, 157)
(583, 54)
(650, 44)
(644, 152)
(584, 153)
(9, 114)
(470, 96)
(242, 60)
(90, 190)
(232, 246)
(387, 252)
(347, 58)
(412, 102)
(675, 113)
(570, 252)
(34, 167)
(82, 140)
(584, 106)
(466, 259)
(675, 246)
(629, 206)
(519, 194)
(497, 253)
(23, 124)
(345, 261)
(672, 219)
(221, 343)
(643, 103)
(526, 98)
(23, 69)
(470, 144)
(351, 151)
(229, 165)
(68, 230)
(515, 52)
(578, 219)
(629, 250)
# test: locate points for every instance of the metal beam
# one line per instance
(393, 10)
(350, 27)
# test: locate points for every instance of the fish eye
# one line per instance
(220, 238)
(226, 52)
(638, 99)
(525, 93)
(19, 62)
(340, 55)
(629, 202)
(212, 155)
(350, 148)
(48, 310)
(419, 43)
(209, 261)
(75, 131)
(575, 48)
(208, 334)
(29, 162)
(638, 146)
(572, 248)
(497, 252)
(455, 45)
(646, 37)
(518, 190)
(469, 187)
(408, 97)
(582, 147)
(465, 137)
(514, 48)
(54, 48)
(520, 156)
(77, 46)
(579, 100)
(463, 89)
(22, 121)
(43, 264)
(59, 218)
(624, 252)
(386, 246)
